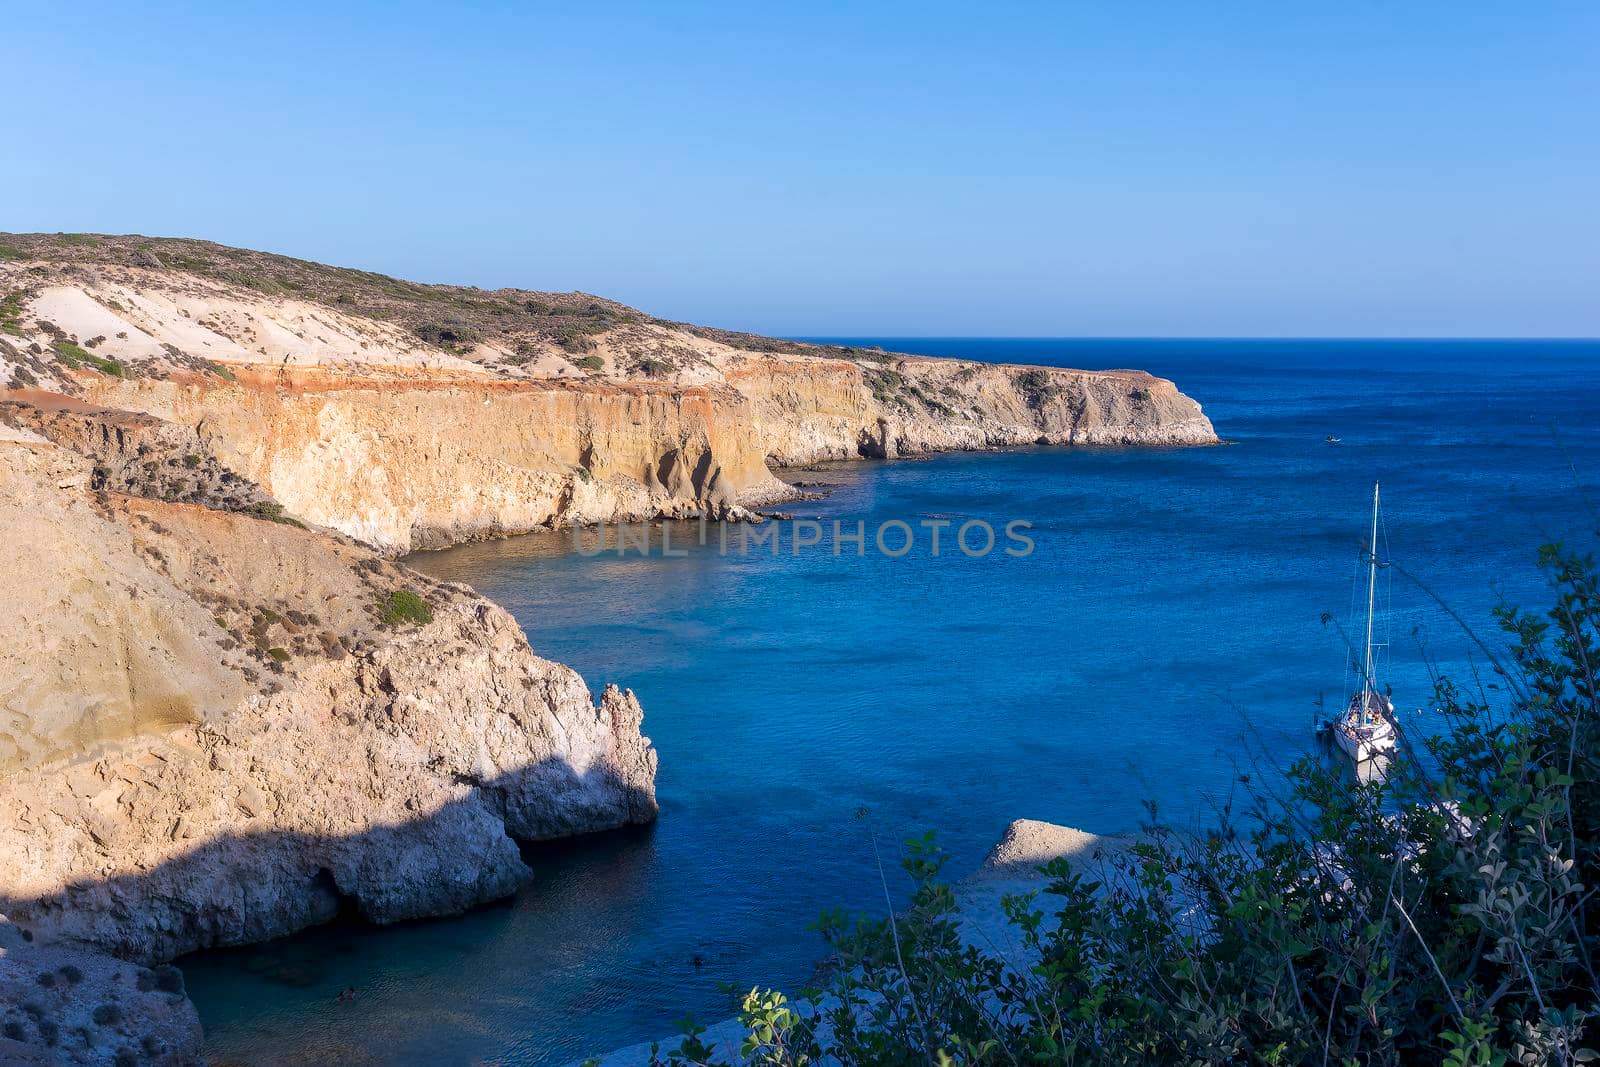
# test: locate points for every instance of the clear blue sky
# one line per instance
(1205, 167)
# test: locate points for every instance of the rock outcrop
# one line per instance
(1010, 870)
(135, 453)
(821, 409)
(60, 1004)
(414, 416)
(217, 727)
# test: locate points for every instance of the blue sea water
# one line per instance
(1164, 637)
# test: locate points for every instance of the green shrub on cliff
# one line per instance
(404, 606)
(454, 335)
(885, 385)
(1446, 914)
(11, 313)
(574, 338)
(107, 366)
(75, 356)
(272, 511)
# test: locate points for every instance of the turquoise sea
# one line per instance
(1164, 638)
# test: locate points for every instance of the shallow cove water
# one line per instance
(1163, 638)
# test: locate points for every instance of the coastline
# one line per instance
(244, 675)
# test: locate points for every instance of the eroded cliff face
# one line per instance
(415, 416)
(436, 460)
(216, 728)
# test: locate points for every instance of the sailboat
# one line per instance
(1366, 729)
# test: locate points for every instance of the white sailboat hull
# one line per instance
(1362, 749)
(1366, 729)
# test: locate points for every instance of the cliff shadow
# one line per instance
(249, 886)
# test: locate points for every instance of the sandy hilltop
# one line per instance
(227, 712)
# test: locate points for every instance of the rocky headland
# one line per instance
(227, 712)
(219, 725)
(416, 416)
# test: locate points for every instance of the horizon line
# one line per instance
(1176, 337)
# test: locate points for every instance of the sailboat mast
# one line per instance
(1372, 590)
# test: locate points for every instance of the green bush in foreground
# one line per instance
(1445, 915)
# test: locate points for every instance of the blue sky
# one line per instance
(1207, 168)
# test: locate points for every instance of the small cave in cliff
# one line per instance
(333, 903)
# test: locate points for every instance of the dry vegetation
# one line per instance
(454, 318)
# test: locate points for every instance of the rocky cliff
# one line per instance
(414, 416)
(434, 460)
(218, 725)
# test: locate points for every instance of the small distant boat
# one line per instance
(1366, 729)
(1332, 440)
